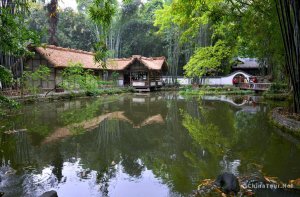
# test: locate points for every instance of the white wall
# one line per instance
(180, 80)
(226, 80)
(121, 82)
(222, 80)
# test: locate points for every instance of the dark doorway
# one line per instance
(126, 79)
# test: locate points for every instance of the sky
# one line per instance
(72, 3)
(68, 3)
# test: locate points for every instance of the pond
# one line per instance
(156, 144)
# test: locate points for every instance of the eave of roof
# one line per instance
(60, 57)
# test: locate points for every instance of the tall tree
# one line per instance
(75, 30)
(15, 35)
(137, 30)
(289, 17)
(101, 13)
(53, 21)
(171, 33)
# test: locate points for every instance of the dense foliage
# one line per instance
(32, 79)
(15, 35)
(77, 78)
(5, 75)
(245, 28)
(74, 30)
(209, 60)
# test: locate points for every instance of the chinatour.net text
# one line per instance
(269, 186)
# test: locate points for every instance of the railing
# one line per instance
(139, 83)
(145, 83)
(255, 86)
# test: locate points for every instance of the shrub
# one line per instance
(77, 78)
(278, 88)
(5, 75)
(42, 73)
(6, 103)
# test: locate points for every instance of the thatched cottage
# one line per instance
(136, 71)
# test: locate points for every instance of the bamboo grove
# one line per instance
(289, 17)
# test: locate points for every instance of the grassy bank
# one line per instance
(9, 104)
(278, 92)
(207, 90)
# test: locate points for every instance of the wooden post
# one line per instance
(130, 78)
(148, 75)
(54, 78)
(155, 79)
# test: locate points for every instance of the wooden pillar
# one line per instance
(54, 78)
(130, 78)
(155, 79)
(148, 75)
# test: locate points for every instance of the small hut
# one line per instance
(142, 73)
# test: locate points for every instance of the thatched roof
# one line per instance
(61, 57)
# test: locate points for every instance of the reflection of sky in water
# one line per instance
(146, 185)
(77, 181)
(73, 184)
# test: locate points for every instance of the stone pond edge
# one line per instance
(287, 124)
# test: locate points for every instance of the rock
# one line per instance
(295, 183)
(1, 194)
(51, 193)
(228, 183)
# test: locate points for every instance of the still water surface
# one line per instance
(157, 144)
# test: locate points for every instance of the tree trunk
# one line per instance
(289, 18)
(53, 20)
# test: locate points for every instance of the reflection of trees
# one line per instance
(15, 149)
(103, 178)
(183, 148)
(211, 128)
(132, 166)
(166, 158)
(258, 143)
(35, 121)
(83, 112)
(207, 133)
(57, 163)
(108, 132)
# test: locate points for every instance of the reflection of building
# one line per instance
(142, 109)
(138, 114)
(246, 103)
(137, 71)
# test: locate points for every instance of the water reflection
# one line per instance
(139, 145)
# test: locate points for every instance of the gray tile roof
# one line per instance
(247, 63)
